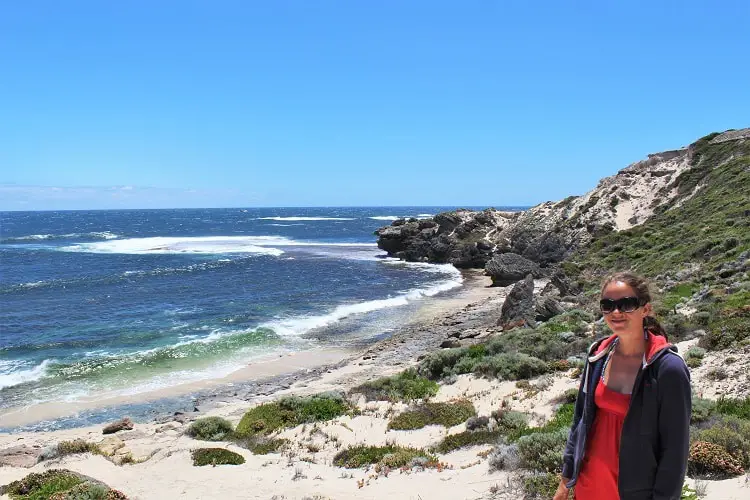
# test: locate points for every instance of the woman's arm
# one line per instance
(569, 453)
(675, 405)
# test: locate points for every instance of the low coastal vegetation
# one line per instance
(291, 411)
(697, 251)
(64, 448)
(210, 429)
(521, 353)
(216, 456)
(446, 414)
(406, 386)
(59, 484)
(391, 456)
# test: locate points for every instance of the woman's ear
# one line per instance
(647, 310)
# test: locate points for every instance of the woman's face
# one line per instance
(624, 323)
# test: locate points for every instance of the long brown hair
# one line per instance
(643, 292)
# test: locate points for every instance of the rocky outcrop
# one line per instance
(549, 232)
(518, 307)
(507, 268)
(464, 238)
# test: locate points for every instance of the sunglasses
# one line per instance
(625, 304)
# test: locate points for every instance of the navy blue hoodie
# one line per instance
(656, 431)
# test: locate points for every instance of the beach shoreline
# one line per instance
(266, 376)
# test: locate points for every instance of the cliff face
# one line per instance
(549, 232)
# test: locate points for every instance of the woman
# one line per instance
(630, 433)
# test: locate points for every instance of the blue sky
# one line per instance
(144, 104)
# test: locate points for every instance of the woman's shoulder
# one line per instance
(671, 366)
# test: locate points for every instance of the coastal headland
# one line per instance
(471, 398)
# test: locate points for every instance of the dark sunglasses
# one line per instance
(625, 304)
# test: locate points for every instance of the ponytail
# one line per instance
(651, 324)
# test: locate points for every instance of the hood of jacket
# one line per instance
(656, 345)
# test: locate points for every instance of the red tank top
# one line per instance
(601, 464)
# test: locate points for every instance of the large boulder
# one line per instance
(507, 268)
(518, 308)
(546, 308)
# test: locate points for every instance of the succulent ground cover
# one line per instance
(59, 484)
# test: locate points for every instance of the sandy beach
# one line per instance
(160, 450)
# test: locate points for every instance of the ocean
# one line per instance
(98, 304)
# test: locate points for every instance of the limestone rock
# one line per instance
(518, 308)
(507, 268)
(20, 456)
(121, 425)
(546, 308)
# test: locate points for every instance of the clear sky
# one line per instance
(150, 104)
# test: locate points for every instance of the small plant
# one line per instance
(406, 386)
(542, 451)
(210, 429)
(694, 362)
(446, 414)
(718, 373)
(702, 410)
(688, 493)
(216, 456)
(695, 352)
(541, 485)
(504, 457)
(510, 421)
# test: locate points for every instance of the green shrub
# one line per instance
(510, 422)
(562, 420)
(41, 486)
(540, 485)
(694, 362)
(447, 414)
(702, 410)
(210, 429)
(290, 412)
(504, 457)
(511, 366)
(516, 354)
(736, 407)
(688, 493)
(406, 386)
(732, 434)
(712, 461)
(216, 456)
(390, 455)
(89, 491)
(542, 451)
(74, 447)
(695, 352)
(468, 438)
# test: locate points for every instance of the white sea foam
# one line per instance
(10, 378)
(300, 325)
(304, 218)
(171, 245)
(386, 217)
(103, 235)
(425, 215)
(264, 245)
